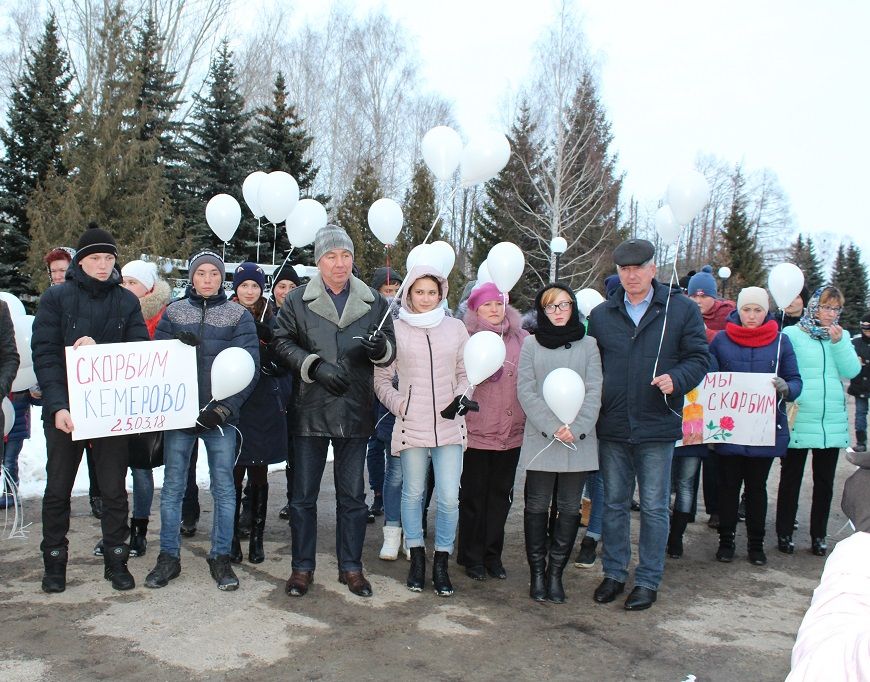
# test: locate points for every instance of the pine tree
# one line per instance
(352, 215)
(744, 257)
(220, 152)
(37, 120)
(419, 210)
(850, 276)
(803, 254)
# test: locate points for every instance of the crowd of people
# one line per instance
(377, 373)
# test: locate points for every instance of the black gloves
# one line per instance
(375, 343)
(210, 417)
(781, 387)
(189, 338)
(264, 332)
(459, 406)
(332, 377)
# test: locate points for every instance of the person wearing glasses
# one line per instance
(825, 358)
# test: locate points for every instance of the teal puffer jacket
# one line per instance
(822, 419)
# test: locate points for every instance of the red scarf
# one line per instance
(753, 337)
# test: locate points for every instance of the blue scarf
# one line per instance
(809, 322)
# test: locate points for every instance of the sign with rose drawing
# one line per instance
(731, 407)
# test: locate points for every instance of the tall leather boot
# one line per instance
(679, 521)
(236, 555)
(115, 571)
(54, 559)
(245, 513)
(417, 571)
(535, 529)
(259, 496)
(561, 546)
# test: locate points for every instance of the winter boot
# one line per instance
(236, 555)
(755, 550)
(440, 579)
(392, 543)
(861, 441)
(168, 568)
(222, 571)
(115, 562)
(54, 579)
(417, 573)
(535, 529)
(259, 504)
(679, 521)
(138, 543)
(245, 513)
(561, 547)
(725, 553)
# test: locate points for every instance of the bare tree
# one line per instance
(19, 32)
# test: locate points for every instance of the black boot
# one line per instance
(417, 572)
(236, 555)
(259, 502)
(285, 510)
(245, 513)
(679, 521)
(561, 547)
(440, 579)
(861, 441)
(54, 560)
(535, 528)
(115, 562)
(755, 550)
(725, 553)
(138, 543)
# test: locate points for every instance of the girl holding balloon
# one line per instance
(559, 442)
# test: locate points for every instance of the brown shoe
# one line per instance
(356, 582)
(298, 582)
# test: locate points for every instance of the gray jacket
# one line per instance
(536, 362)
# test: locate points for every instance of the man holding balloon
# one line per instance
(332, 331)
(653, 351)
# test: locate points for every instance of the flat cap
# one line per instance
(633, 252)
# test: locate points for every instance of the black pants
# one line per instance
(824, 469)
(486, 491)
(190, 503)
(110, 466)
(736, 471)
(710, 476)
(539, 491)
(93, 483)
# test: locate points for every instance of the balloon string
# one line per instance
(674, 277)
(274, 240)
(269, 295)
(570, 446)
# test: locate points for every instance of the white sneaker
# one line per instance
(392, 542)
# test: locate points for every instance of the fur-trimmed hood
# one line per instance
(155, 300)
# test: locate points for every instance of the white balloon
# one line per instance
(688, 193)
(301, 270)
(8, 416)
(307, 218)
(724, 272)
(666, 225)
(483, 157)
(564, 392)
(425, 254)
(231, 372)
(251, 192)
(441, 148)
(483, 275)
(483, 356)
(278, 195)
(26, 378)
(587, 299)
(385, 220)
(16, 307)
(505, 264)
(23, 333)
(223, 214)
(446, 254)
(785, 282)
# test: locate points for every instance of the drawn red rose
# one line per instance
(726, 423)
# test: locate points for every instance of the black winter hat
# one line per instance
(95, 240)
(381, 275)
(286, 272)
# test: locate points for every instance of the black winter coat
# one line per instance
(81, 306)
(309, 329)
(632, 410)
(9, 359)
(860, 385)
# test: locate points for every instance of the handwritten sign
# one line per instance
(124, 388)
(731, 407)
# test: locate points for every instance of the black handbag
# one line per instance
(146, 450)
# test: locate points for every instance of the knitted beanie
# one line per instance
(249, 271)
(329, 238)
(287, 272)
(703, 283)
(146, 273)
(484, 294)
(203, 258)
(95, 240)
(755, 295)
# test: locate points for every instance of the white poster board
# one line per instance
(122, 388)
(731, 407)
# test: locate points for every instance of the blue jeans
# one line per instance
(143, 492)
(861, 414)
(11, 450)
(685, 481)
(177, 448)
(393, 491)
(595, 491)
(377, 451)
(350, 499)
(447, 462)
(651, 464)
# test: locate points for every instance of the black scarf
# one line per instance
(548, 334)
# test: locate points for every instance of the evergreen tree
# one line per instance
(850, 277)
(118, 183)
(419, 210)
(220, 152)
(803, 254)
(36, 122)
(744, 257)
(352, 215)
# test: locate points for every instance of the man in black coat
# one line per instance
(859, 387)
(89, 307)
(327, 333)
(653, 351)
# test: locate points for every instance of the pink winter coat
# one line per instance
(431, 373)
(499, 424)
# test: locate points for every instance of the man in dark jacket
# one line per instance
(89, 307)
(653, 351)
(327, 333)
(859, 387)
(207, 320)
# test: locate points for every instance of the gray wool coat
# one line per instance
(538, 453)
